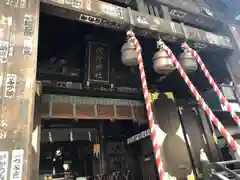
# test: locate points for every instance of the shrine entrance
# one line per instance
(89, 114)
(141, 152)
(88, 149)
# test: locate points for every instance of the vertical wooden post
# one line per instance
(233, 61)
(36, 135)
(18, 56)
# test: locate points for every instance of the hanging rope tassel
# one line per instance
(220, 95)
(203, 104)
(152, 126)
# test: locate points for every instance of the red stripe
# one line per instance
(147, 103)
(215, 122)
(223, 100)
(153, 134)
(161, 174)
(158, 161)
(209, 112)
(171, 55)
(195, 92)
(150, 124)
(214, 85)
(149, 112)
(155, 146)
(201, 100)
(229, 108)
(234, 145)
(224, 134)
(236, 118)
(208, 76)
(195, 56)
(84, 4)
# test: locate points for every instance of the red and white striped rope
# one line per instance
(220, 95)
(152, 126)
(203, 104)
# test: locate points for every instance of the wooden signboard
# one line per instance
(98, 63)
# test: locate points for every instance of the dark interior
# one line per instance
(66, 39)
(78, 151)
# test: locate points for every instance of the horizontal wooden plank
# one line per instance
(110, 16)
(53, 98)
(84, 111)
(69, 107)
(62, 110)
(124, 112)
(105, 111)
(139, 113)
(45, 109)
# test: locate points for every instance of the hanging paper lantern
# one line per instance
(162, 64)
(187, 61)
(129, 54)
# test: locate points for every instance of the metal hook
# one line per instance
(160, 43)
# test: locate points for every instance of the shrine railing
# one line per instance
(221, 170)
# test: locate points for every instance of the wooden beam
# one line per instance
(76, 107)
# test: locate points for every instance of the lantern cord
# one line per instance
(215, 87)
(234, 145)
(155, 138)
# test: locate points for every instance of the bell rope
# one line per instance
(203, 104)
(152, 126)
(215, 87)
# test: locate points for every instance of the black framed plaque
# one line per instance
(98, 63)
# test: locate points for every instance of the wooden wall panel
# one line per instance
(139, 112)
(85, 111)
(124, 112)
(45, 109)
(78, 108)
(62, 110)
(105, 111)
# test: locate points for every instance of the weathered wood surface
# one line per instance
(233, 61)
(73, 107)
(18, 56)
(144, 23)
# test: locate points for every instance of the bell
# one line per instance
(187, 61)
(162, 64)
(129, 55)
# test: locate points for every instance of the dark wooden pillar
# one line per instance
(36, 137)
(18, 56)
(233, 61)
